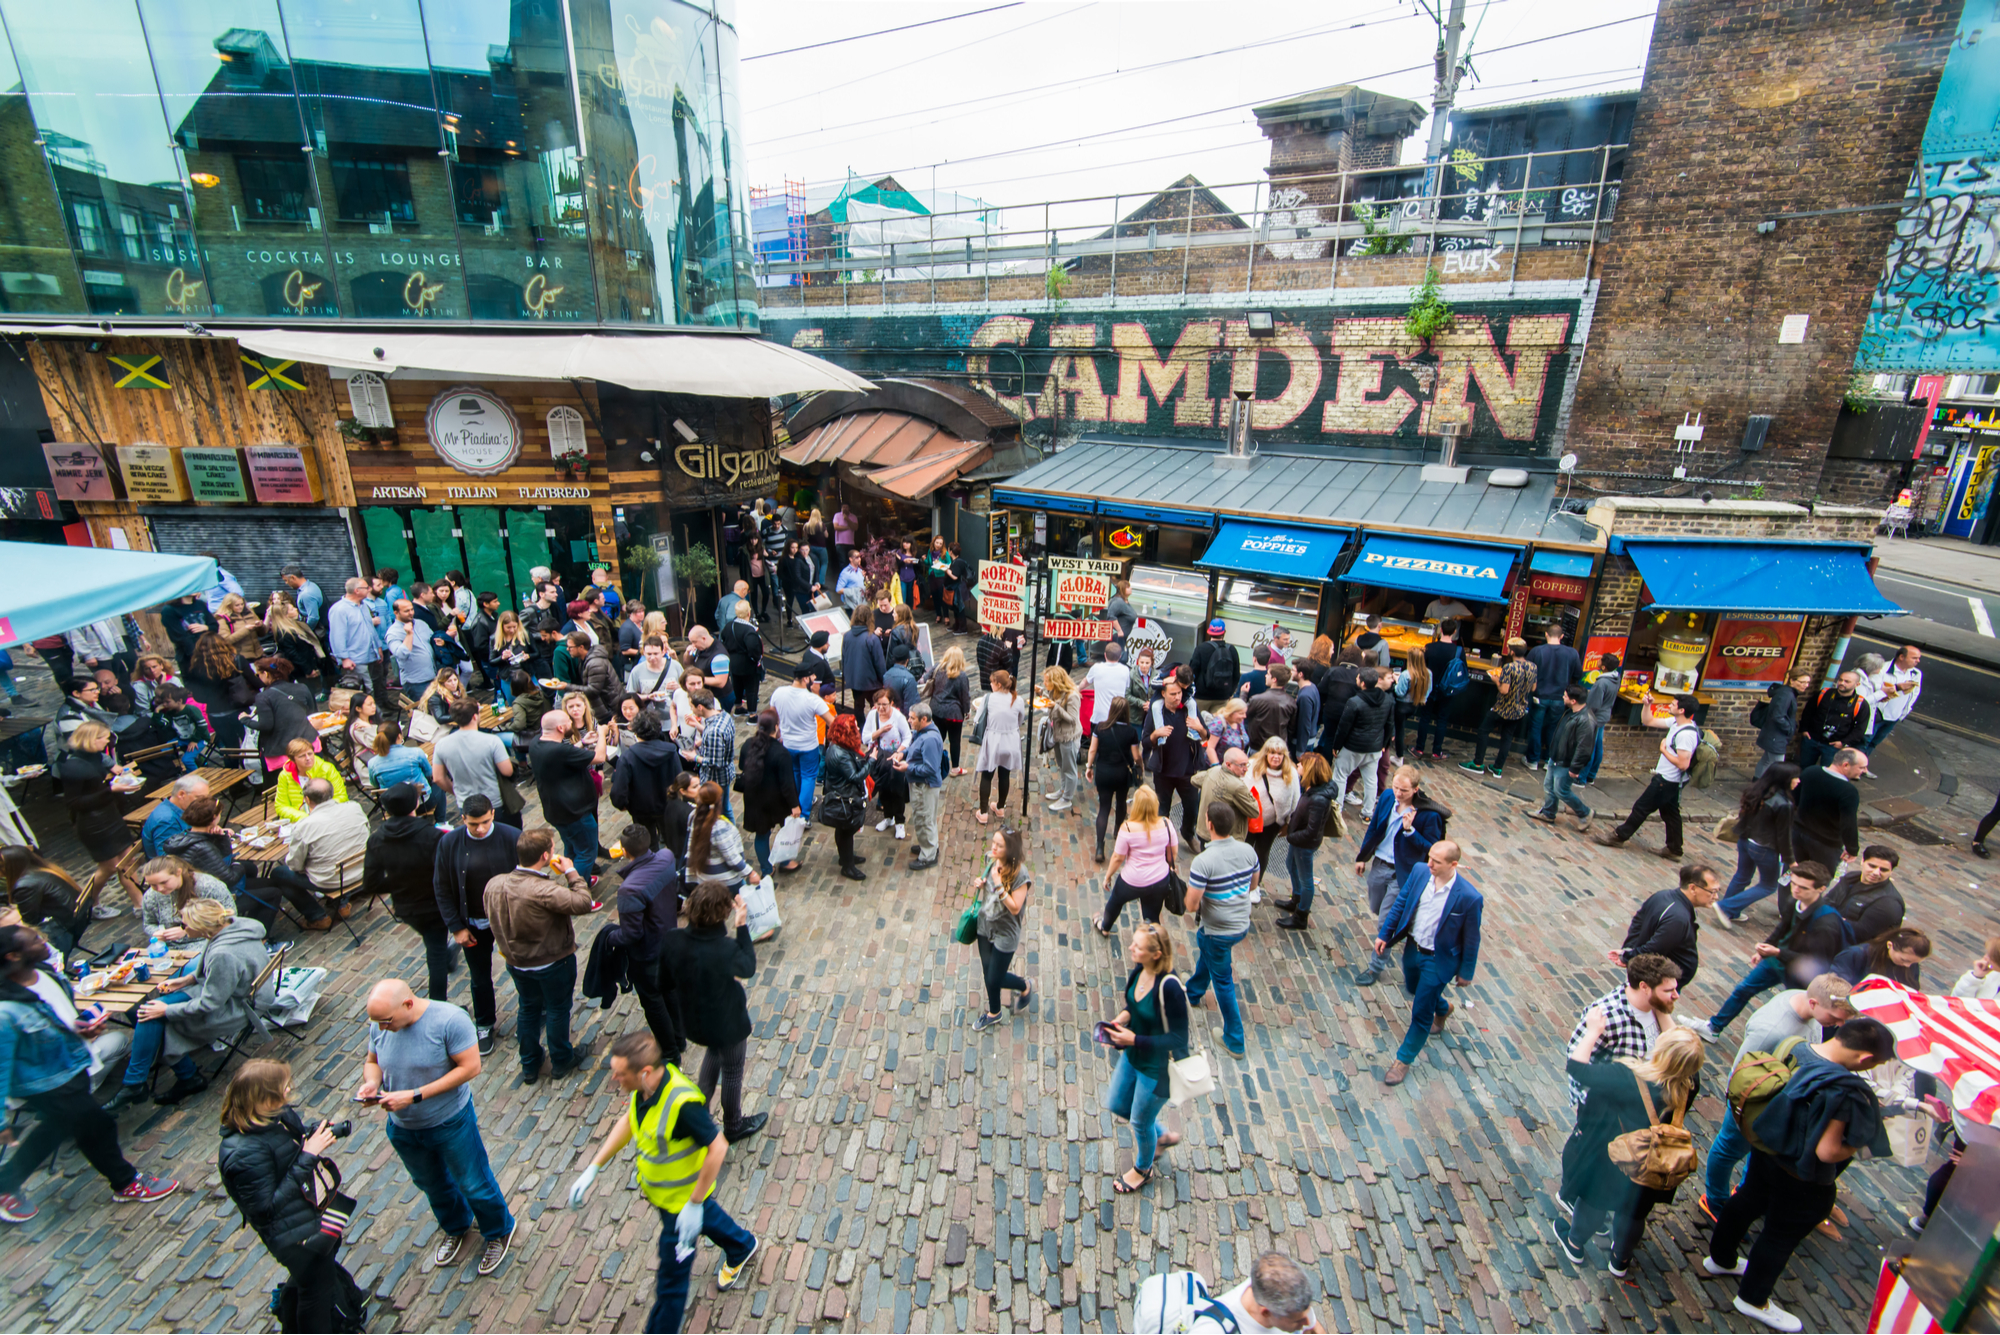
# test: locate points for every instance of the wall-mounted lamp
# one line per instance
(1261, 322)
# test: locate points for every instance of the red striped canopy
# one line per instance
(1954, 1039)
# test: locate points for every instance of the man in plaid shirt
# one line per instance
(718, 745)
(1637, 1013)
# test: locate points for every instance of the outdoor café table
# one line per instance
(220, 780)
(264, 858)
(121, 997)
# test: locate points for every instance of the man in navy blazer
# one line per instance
(1399, 837)
(1436, 916)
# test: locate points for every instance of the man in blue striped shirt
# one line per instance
(1219, 881)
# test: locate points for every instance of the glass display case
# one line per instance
(1250, 609)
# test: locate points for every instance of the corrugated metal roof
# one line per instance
(1288, 486)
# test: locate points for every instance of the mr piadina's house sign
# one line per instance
(473, 431)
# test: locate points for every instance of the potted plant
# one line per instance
(637, 564)
(699, 576)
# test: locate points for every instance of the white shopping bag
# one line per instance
(761, 900)
(790, 841)
(1909, 1139)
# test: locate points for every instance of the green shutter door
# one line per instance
(485, 554)
(527, 544)
(386, 548)
(437, 548)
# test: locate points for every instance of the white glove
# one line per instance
(687, 1228)
(581, 1187)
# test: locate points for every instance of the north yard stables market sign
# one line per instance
(1347, 375)
(1003, 589)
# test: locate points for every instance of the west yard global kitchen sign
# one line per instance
(1348, 375)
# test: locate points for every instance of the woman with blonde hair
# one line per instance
(1149, 1033)
(444, 691)
(951, 701)
(86, 770)
(1066, 724)
(1274, 782)
(1227, 729)
(151, 673)
(301, 762)
(1142, 863)
(270, 1164)
(1621, 1096)
(656, 624)
(237, 624)
(1412, 691)
(297, 644)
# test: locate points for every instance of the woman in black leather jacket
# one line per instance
(267, 1162)
(43, 894)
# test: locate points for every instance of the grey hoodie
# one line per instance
(218, 1001)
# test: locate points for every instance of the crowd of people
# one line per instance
(719, 777)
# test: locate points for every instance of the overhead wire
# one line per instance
(882, 32)
(1212, 111)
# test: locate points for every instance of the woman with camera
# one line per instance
(271, 1167)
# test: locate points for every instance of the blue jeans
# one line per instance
(805, 769)
(448, 1164)
(149, 1037)
(1543, 715)
(670, 1281)
(580, 844)
(1556, 788)
(1751, 857)
(1299, 866)
(1764, 975)
(545, 997)
(1215, 965)
(1880, 735)
(1731, 1147)
(760, 845)
(1589, 775)
(1426, 977)
(1138, 1098)
(1815, 753)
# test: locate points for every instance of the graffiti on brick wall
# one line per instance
(1938, 306)
(1290, 215)
(1346, 377)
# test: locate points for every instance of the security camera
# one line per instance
(379, 354)
(687, 432)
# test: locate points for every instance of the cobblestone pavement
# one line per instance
(919, 1177)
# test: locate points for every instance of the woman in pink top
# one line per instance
(1141, 862)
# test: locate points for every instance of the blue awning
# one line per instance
(1155, 514)
(1575, 564)
(1011, 498)
(51, 589)
(1285, 551)
(1816, 578)
(1435, 565)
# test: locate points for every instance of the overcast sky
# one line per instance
(967, 104)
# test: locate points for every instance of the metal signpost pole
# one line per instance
(1034, 601)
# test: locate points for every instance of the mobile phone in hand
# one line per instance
(1102, 1033)
(367, 1098)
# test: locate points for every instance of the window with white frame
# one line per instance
(565, 432)
(369, 398)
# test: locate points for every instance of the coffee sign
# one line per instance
(474, 431)
(1751, 651)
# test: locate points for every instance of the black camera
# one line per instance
(341, 1130)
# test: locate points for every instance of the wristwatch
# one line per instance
(417, 1097)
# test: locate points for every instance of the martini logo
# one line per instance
(1429, 567)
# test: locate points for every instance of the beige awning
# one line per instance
(724, 364)
(901, 454)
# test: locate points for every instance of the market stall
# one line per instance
(50, 590)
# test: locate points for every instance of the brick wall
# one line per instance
(1753, 108)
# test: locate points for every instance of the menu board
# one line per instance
(283, 474)
(78, 472)
(215, 476)
(152, 473)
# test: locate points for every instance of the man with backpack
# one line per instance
(1839, 717)
(1663, 791)
(1810, 932)
(1781, 1023)
(1444, 662)
(1217, 668)
(1801, 1141)
(1277, 1296)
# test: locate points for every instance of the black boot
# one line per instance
(1289, 904)
(1295, 922)
(1100, 851)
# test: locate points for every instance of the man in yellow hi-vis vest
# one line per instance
(680, 1154)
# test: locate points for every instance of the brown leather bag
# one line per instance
(1660, 1154)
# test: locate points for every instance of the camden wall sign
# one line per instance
(1345, 375)
(473, 430)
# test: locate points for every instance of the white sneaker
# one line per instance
(1708, 1264)
(1354, 799)
(884, 824)
(1728, 923)
(1064, 805)
(103, 911)
(1256, 896)
(1705, 1032)
(1051, 797)
(900, 833)
(1772, 1315)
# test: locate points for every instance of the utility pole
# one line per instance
(1445, 91)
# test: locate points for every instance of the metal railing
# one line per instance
(1295, 224)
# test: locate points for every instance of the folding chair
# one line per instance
(126, 869)
(349, 871)
(258, 1019)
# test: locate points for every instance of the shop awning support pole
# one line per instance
(1028, 748)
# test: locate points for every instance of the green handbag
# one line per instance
(967, 930)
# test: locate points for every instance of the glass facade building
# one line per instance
(487, 160)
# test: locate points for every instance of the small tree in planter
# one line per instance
(637, 563)
(699, 576)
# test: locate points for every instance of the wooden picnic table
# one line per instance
(268, 856)
(136, 817)
(124, 996)
(220, 780)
